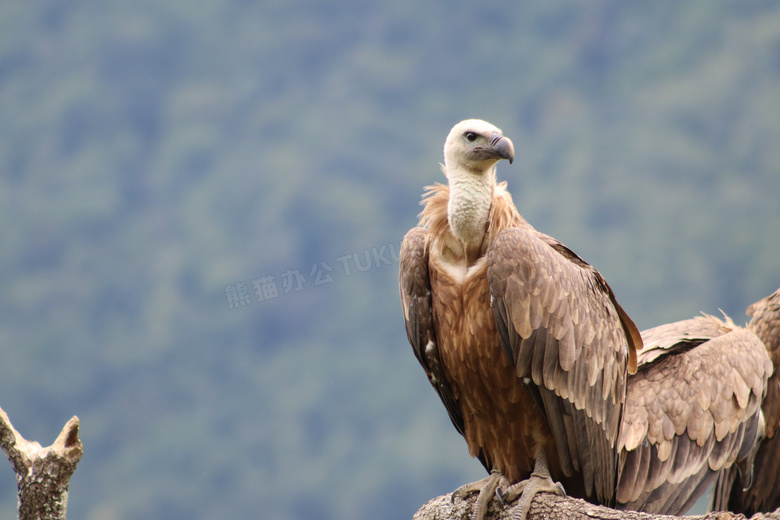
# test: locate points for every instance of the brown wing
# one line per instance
(691, 411)
(764, 494)
(659, 340)
(415, 287)
(560, 325)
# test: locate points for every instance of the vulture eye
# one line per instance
(471, 136)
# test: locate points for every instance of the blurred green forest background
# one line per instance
(201, 205)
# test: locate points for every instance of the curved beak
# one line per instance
(502, 147)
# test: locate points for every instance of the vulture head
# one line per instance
(476, 146)
(471, 151)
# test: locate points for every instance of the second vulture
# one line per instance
(693, 409)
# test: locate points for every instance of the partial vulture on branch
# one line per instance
(764, 494)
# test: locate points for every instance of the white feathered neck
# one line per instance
(468, 209)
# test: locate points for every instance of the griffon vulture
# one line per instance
(692, 409)
(764, 494)
(524, 342)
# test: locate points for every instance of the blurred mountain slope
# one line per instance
(160, 161)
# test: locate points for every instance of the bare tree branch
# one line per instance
(42, 474)
(552, 507)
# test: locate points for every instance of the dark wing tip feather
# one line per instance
(415, 288)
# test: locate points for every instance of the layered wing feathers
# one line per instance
(559, 323)
(692, 409)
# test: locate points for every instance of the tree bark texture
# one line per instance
(42, 474)
(552, 507)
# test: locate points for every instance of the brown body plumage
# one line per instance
(484, 382)
(524, 341)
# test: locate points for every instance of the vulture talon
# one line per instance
(470, 488)
(500, 493)
(487, 487)
(539, 481)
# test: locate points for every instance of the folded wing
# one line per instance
(560, 324)
(692, 409)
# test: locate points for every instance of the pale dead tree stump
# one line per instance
(553, 507)
(42, 474)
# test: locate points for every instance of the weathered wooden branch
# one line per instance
(553, 507)
(42, 474)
